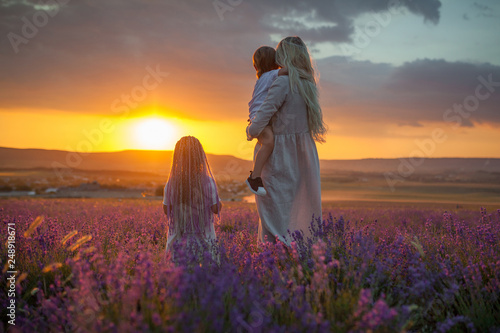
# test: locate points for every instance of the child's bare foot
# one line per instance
(256, 185)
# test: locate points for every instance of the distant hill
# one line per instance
(159, 162)
(427, 165)
(129, 160)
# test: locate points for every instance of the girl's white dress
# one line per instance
(209, 235)
(291, 175)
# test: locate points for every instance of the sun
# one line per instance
(154, 134)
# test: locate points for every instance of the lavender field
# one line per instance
(98, 265)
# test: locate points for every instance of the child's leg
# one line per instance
(266, 139)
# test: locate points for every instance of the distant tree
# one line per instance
(23, 188)
(5, 188)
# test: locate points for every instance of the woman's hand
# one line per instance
(249, 137)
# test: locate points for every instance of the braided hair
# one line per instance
(191, 189)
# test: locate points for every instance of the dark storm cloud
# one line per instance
(416, 92)
(335, 18)
(89, 53)
(79, 55)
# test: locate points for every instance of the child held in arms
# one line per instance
(264, 62)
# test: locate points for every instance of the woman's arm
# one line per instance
(275, 98)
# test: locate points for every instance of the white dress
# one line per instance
(209, 235)
(291, 175)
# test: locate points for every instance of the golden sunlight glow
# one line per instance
(154, 134)
(53, 129)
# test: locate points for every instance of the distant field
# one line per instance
(455, 188)
(413, 192)
(378, 191)
(136, 174)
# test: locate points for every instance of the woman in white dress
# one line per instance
(291, 174)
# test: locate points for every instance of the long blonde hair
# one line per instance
(293, 55)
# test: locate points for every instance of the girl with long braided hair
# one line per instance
(190, 199)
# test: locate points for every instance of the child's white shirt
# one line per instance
(260, 91)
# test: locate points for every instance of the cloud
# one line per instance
(83, 55)
(485, 10)
(90, 53)
(414, 93)
(333, 21)
(482, 7)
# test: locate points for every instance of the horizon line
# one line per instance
(321, 159)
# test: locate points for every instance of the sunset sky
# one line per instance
(397, 78)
